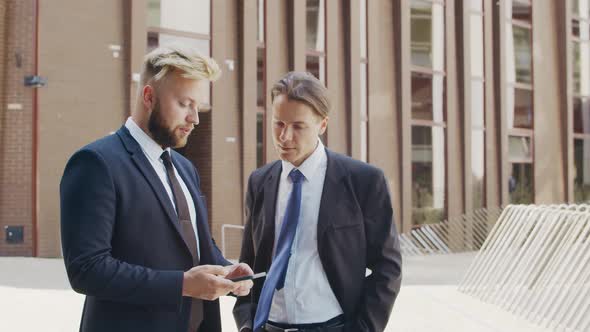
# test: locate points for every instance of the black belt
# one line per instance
(335, 324)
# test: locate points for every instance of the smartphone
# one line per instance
(250, 277)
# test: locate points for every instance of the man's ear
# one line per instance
(148, 96)
(323, 125)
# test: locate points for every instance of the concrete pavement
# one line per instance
(35, 296)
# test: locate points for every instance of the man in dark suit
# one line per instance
(134, 226)
(316, 220)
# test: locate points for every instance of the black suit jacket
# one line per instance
(122, 242)
(355, 231)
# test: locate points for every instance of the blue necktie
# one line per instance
(278, 269)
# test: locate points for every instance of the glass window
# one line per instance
(260, 139)
(427, 34)
(521, 10)
(519, 148)
(316, 66)
(421, 29)
(581, 115)
(421, 96)
(522, 54)
(521, 113)
(476, 41)
(182, 15)
(428, 97)
(428, 112)
(576, 28)
(520, 101)
(576, 67)
(428, 174)
(520, 184)
(582, 170)
(315, 25)
(260, 90)
(260, 20)
(152, 41)
(478, 168)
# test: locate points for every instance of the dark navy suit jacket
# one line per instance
(122, 242)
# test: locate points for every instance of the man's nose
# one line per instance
(193, 116)
(286, 134)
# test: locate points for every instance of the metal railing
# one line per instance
(464, 233)
(535, 263)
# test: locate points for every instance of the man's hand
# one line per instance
(207, 282)
(238, 270)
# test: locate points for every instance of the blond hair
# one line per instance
(305, 88)
(166, 59)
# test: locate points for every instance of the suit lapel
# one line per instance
(332, 194)
(270, 190)
(152, 178)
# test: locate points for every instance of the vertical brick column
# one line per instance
(16, 150)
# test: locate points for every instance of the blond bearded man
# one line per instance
(134, 225)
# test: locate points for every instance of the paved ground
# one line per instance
(35, 296)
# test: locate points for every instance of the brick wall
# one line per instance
(3, 50)
(17, 125)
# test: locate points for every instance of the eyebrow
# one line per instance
(189, 98)
(296, 122)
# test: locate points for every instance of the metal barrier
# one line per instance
(535, 263)
(465, 233)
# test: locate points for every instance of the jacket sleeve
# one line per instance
(219, 259)
(88, 219)
(245, 307)
(383, 258)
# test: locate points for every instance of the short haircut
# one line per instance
(305, 88)
(164, 60)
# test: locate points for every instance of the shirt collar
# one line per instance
(310, 166)
(150, 148)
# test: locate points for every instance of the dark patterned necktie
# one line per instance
(188, 232)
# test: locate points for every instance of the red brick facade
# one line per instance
(16, 175)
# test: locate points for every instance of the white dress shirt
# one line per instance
(307, 296)
(153, 151)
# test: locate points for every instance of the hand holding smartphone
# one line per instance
(249, 277)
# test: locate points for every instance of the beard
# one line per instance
(160, 132)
